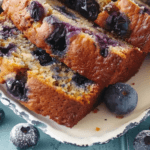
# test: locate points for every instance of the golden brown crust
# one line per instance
(62, 108)
(84, 57)
(139, 24)
(132, 63)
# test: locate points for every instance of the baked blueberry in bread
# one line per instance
(74, 41)
(41, 83)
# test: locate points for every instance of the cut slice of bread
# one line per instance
(41, 83)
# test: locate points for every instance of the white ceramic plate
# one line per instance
(84, 133)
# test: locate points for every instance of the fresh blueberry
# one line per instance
(24, 136)
(2, 115)
(80, 80)
(36, 10)
(57, 38)
(6, 51)
(120, 98)
(142, 140)
(88, 8)
(71, 3)
(17, 88)
(118, 23)
(7, 32)
(43, 57)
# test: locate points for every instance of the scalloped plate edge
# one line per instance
(69, 139)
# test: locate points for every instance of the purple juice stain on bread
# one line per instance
(104, 43)
(8, 32)
(6, 51)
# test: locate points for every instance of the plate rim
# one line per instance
(75, 141)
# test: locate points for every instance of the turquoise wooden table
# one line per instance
(47, 143)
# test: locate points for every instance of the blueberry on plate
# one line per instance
(142, 140)
(24, 136)
(120, 98)
(2, 115)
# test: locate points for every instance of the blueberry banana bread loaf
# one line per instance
(41, 83)
(84, 49)
(126, 19)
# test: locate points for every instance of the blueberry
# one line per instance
(6, 51)
(118, 23)
(104, 51)
(144, 9)
(120, 98)
(88, 8)
(24, 136)
(7, 31)
(142, 140)
(17, 88)
(57, 38)
(43, 57)
(36, 10)
(2, 115)
(71, 3)
(104, 43)
(80, 80)
(1, 10)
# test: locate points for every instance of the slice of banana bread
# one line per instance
(84, 49)
(41, 83)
